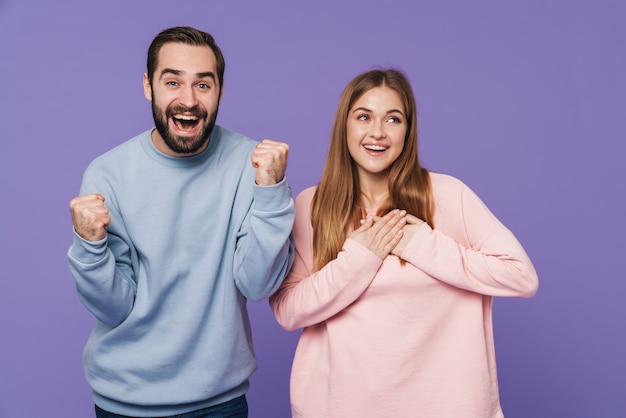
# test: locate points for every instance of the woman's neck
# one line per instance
(374, 192)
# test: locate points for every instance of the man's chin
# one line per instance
(185, 144)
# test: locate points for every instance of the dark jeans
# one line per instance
(235, 408)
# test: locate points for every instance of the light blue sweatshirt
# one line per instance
(190, 240)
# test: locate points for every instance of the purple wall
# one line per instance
(524, 101)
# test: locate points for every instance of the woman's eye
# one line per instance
(394, 119)
(362, 117)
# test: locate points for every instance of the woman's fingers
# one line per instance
(381, 234)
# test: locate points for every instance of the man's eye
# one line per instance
(203, 86)
(171, 83)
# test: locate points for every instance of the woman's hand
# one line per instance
(381, 235)
(412, 224)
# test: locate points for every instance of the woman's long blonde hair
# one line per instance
(336, 207)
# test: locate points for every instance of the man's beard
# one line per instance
(183, 144)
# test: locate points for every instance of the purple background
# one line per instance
(523, 101)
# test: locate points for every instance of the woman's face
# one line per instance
(376, 128)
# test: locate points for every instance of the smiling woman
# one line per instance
(525, 101)
(395, 273)
(376, 128)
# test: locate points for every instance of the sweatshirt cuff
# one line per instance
(413, 246)
(364, 255)
(87, 252)
(272, 198)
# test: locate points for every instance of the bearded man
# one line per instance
(174, 230)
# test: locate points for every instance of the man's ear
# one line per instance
(147, 88)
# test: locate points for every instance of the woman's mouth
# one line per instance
(375, 148)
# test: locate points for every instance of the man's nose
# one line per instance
(188, 97)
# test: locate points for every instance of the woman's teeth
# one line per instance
(375, 147)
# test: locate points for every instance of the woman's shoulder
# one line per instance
(442, 183)
(450, 191)
(307, 194)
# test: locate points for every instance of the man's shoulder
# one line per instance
(230, 139)
(122, 152)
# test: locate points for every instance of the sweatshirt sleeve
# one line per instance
(307, 298)
(102, 271)
(473, 251)
(264, 246)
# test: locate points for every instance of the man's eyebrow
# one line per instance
(209, 74)
(205, 74)
(169, 71)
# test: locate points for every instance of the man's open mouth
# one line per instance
(185, 122)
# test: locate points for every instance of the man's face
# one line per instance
(185, 97)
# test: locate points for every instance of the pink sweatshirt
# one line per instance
(382, 339)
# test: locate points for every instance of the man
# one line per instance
(174, 230)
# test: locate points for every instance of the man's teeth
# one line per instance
(375, 147)
(186, 117)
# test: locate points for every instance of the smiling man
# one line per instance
(173, 231)
(183, 91)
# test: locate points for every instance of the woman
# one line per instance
(394, 275)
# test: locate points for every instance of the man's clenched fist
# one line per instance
(90, 216)
(270, 160)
